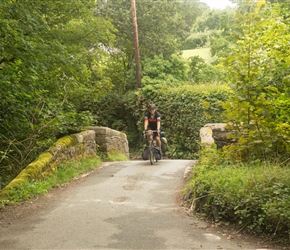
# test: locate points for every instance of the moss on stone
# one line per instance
(32, 171)
(66, 141)
(67, 148)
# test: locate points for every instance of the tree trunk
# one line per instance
(136, 44)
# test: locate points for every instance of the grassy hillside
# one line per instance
(202, 52)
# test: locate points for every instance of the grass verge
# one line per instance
(64, 173)
(253, 196)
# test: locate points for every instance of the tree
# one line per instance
(162, 26)
(52, 60)
(215, 28)
(136, 44)
(259, 72)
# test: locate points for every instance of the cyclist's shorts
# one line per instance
(155, 134)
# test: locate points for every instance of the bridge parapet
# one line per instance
(215, 134)
(110, 140)
(69, 148)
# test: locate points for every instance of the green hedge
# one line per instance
(184, 110)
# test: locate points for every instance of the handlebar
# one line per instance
(145, 132)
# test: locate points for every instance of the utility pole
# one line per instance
(136, 44)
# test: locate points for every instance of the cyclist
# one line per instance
(152, 122)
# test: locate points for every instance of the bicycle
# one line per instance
(151, 145)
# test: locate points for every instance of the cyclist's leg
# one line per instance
(158, 141)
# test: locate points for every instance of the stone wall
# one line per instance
(215, 133)
(77, 146)
(110, 140)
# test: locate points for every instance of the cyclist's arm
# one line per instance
(158, 124)
(145, 123)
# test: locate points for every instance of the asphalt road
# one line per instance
(124, 205)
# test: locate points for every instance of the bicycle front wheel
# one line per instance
(152, 155)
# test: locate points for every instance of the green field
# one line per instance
(203, 53)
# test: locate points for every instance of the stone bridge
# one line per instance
(94, 140)
(89, 143)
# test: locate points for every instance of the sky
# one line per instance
(218, 4)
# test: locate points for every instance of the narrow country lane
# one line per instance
(122, 205)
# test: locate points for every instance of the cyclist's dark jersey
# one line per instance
(152, 121)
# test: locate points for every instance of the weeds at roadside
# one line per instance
(113, 156)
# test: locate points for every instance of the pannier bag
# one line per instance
(157, 152)
(145, 154)
(164, 144)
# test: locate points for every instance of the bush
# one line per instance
(201, 72)
(256, 197)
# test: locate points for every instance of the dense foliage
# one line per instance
(59, 59)
(259, 71)
(213, 28)
(162, 28)
(50, 62)
(247, 183)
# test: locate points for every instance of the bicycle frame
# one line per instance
(150, 141)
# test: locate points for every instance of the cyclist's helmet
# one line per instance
(152, 106)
